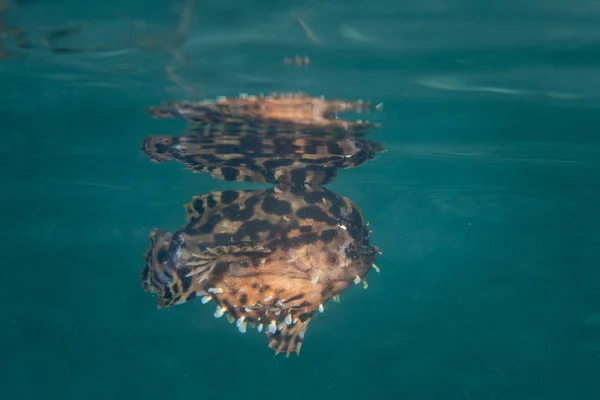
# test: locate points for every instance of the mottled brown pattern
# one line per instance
(295, 108)
(270, 156)
(269, 258)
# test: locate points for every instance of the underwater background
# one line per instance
(485, 205)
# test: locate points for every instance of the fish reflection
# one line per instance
(268, 258)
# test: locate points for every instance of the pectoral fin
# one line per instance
(205, 262)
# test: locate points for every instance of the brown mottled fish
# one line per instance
(270, 258)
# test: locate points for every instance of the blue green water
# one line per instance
(485, 205)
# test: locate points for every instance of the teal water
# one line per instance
(485, 205)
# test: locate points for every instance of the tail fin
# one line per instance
(288, 339)
(162, 277)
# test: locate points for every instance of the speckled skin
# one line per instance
(270, 253)
(266, 156)
(269, 258)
